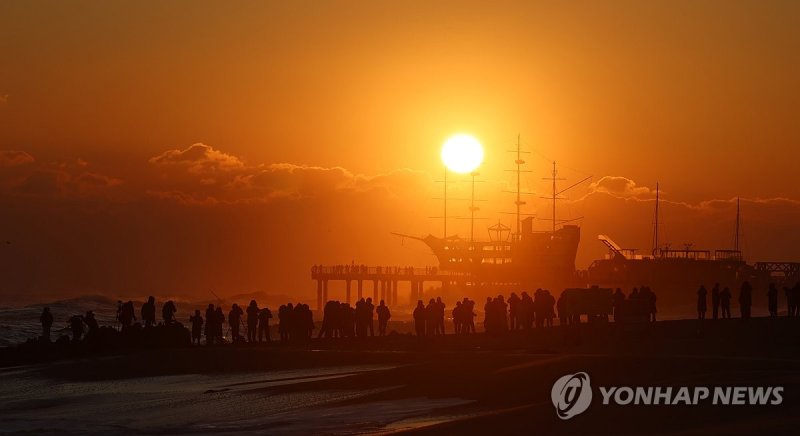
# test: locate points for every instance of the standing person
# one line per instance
(234, 321)
(513, 310)
(47, 322)
(440, 306)
(420, 317)
(168, 312)
(701, 302)
(219, 320)
(488, 316)
(252, 320)
(263, 324)
(432, 318)
(617, 301)
(745, 300)
(127, 315)
(210, 321)
(149, 312)
(458, 318)
(76, 325)
(91, 322)
(772, 300)
(197, 326)
(550, 311)
(715, 301)
(383, 317)
(725, 302)
(370, 319)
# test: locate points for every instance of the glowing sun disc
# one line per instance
(462, 153)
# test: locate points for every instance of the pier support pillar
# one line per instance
(360, 289)
(375, 291)
(348, 291)
(324, 291)
(383, 290)
(319, 294)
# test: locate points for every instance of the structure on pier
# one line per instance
(384, 280)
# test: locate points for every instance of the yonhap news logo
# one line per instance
(572, 395)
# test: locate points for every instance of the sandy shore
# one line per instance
(441, 385)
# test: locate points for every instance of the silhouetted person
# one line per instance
(263, 324)
(549, 303)
(252, 320)
(651, 303)
(772, 300)
(525, 313)
(91, 322)
(119, 312)
(618, 300)
(420, 318)
(792, 299)
(745, 300)
(371, 318)
(489, 316)
(234, 321)
(149, 312)
(383, 317)
(715, 301)
(47, 323)
(431, 318)
(168, 312)
(469, 315)
(76, 325)
(701, 302)
(561, 307)
(513, 311)
(211, 314)
(127, 315)
(197, 326)
(725, 302)
(440, 307)
(219, 320)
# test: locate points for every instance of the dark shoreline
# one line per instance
(503, 382)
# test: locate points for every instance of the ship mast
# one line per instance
(655, 226)
(555, 194)
(736, 236)
(444, 201)
(519, 202)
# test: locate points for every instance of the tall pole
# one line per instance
(444, 200)
(736, 238)
(519, 163)
(472, 210)
(655, 227)
(554, 197)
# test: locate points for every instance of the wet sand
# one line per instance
(441, 385)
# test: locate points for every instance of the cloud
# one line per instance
(621, 187)
(202, 175)
(24, 176)
(3, 98)
(199, 158)
(11, 158)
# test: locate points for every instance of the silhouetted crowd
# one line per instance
(721, 301)
(364, 269)
(340, 320)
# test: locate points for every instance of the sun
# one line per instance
(462, 153)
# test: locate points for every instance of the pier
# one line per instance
(384, 281)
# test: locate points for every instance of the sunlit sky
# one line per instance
(702, 97)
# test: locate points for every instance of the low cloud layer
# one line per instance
(199, 218)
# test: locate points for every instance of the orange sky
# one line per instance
(700, 96)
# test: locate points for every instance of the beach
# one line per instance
(397, 384)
